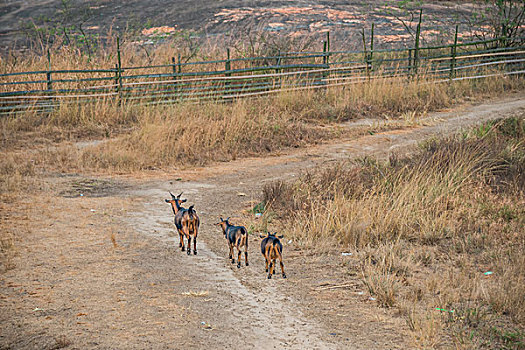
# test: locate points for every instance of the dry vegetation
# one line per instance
(425, 229)
(104, 136)
(146, 137)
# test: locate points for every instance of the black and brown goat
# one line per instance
(237, 237)
(271, 249)
(186, 221)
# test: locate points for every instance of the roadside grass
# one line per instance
(149, 137)
(188, 134)
(439, 235)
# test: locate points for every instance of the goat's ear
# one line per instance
(261, 235)
(167, 200)
(183, 200)
(281, 236)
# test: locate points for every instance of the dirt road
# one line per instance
(103, 270)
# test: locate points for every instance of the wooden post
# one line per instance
(325, 61)
(119, 69)
(372, 48)
(324, 52)
(409, 60)
(116, 78)
(365, 54)
(328, 48)
(278, 70)
(416, 52)
(179, 69)
(327, 75)
(453, 55)
(227, 67)
(174, 70)
(48, 74)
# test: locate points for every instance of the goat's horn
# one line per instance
(180, 195)
(172, 196)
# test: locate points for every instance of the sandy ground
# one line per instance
(103, 270)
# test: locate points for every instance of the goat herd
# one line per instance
(187, 223)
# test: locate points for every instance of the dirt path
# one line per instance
(103, 270)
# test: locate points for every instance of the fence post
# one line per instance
(409, 61)
(116, 78)
(365, 53)
(119, 70)
(325, 62)
(179, 70)
(372, 48)
(328, 48)
(416, 52)
(278, 70)
(227, 64)
(174, 70)
(453, 55)
(328, 54)
(48, 74)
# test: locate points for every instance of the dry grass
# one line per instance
(196, 294)
(145, 137)
(425, 229)
(141, 137)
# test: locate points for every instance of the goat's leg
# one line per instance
(267, 257)
(246, 255)
(189, 244)
(282, 265)
(195, 245)
(270, 272)
(181, 244)
(239, 251)
(231, 253)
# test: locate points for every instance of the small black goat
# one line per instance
(237, 237)
(187, 222)
(271, 249)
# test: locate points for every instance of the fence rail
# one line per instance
(233, 78)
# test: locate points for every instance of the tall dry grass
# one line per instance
(145, 137)
(425, 228)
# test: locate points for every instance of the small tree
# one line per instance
(499, 19)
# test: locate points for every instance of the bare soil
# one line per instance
(344, 19)
(97, 261)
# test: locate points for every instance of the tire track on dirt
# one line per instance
(258, 318)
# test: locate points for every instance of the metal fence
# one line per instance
(232, 78)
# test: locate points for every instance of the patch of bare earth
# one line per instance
(103, 270)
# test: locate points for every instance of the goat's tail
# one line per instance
(193, 220)
(245, 234)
